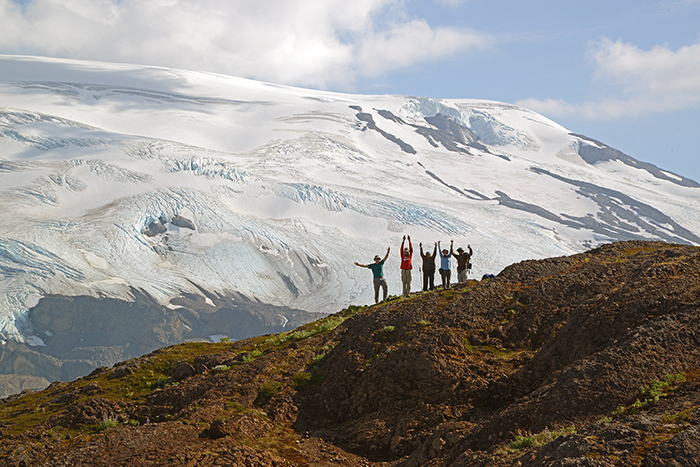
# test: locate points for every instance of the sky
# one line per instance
(624, 72)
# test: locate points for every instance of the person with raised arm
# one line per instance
(406, 266)
(445, 268)
(428, 267)
(378, 272)
(463, 263)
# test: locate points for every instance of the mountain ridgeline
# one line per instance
(589, 359)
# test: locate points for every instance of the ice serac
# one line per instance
(118, 178)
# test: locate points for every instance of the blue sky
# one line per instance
(624, 72)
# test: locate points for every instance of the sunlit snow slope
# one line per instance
(116, 176)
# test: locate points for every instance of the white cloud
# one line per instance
(411, 43)
(636, 82)
(302, 42)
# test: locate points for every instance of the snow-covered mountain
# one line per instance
(115, 178)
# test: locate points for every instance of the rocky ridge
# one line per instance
(583, 360)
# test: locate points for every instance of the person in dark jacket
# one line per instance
(428, 268)
(463, 262)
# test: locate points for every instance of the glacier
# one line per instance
(115, 178)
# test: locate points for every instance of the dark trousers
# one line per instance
(445, 274)
(428, 280)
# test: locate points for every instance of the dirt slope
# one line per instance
(587, 360)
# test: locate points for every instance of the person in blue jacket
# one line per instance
(445, 269)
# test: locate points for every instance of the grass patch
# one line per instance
(652, 393)
(250, 356)
(266, 391)
(320, 355)
(106, 423)
(645, 249)
(469, 348)
(538, 440)
(277, 441)
(305, 380)
(234, 407)
(320, 327)
(658, 388)
(684, 416)
(449, 293)
(385, 334)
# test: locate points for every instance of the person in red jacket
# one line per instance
(406, 266)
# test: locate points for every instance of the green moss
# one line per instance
(250, 356)
(106, 423)
(449, 293)
(304, 380)
(652, 393)
(235, 408)
(266, 391)
(684, 416)
(644, 249)
(469, 347)
(386, 333)
(317, 328)
(538, 440)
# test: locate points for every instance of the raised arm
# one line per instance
(361, 265)
(420, 247)
(469, 247)
(410, 245)
(452, 242)
(435, 250)
(387, 254)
